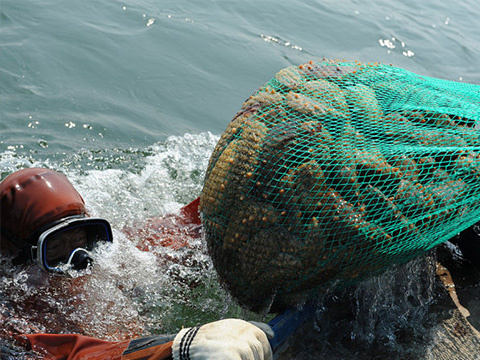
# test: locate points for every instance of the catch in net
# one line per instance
(335, 170)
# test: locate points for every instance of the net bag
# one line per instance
(335, 170)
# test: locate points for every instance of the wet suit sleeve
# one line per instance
(150, 348)
(74, 347)
(77, 347)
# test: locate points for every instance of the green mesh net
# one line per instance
(333, 171)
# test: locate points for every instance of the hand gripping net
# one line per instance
(335, 170)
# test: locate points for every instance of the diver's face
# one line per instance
(60, 246)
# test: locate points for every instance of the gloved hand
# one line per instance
(229, 339)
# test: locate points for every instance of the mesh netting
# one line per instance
(333, 171)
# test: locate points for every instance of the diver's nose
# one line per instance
(81, 259)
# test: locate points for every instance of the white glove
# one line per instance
(229, 339)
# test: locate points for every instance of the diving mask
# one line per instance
(67, 244)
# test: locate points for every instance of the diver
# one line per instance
(44, 220)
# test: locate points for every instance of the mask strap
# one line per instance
(27, 252)
(22, 258)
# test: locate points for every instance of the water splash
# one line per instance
(388, 316)
(170, 176)
(395, 301)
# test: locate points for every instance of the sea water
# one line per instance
(128, 100)
(122, 75)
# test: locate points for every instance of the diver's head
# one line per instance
(43, 218)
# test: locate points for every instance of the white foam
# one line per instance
(172, 177)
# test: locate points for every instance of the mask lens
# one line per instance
(61, 245)
(58, 245)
